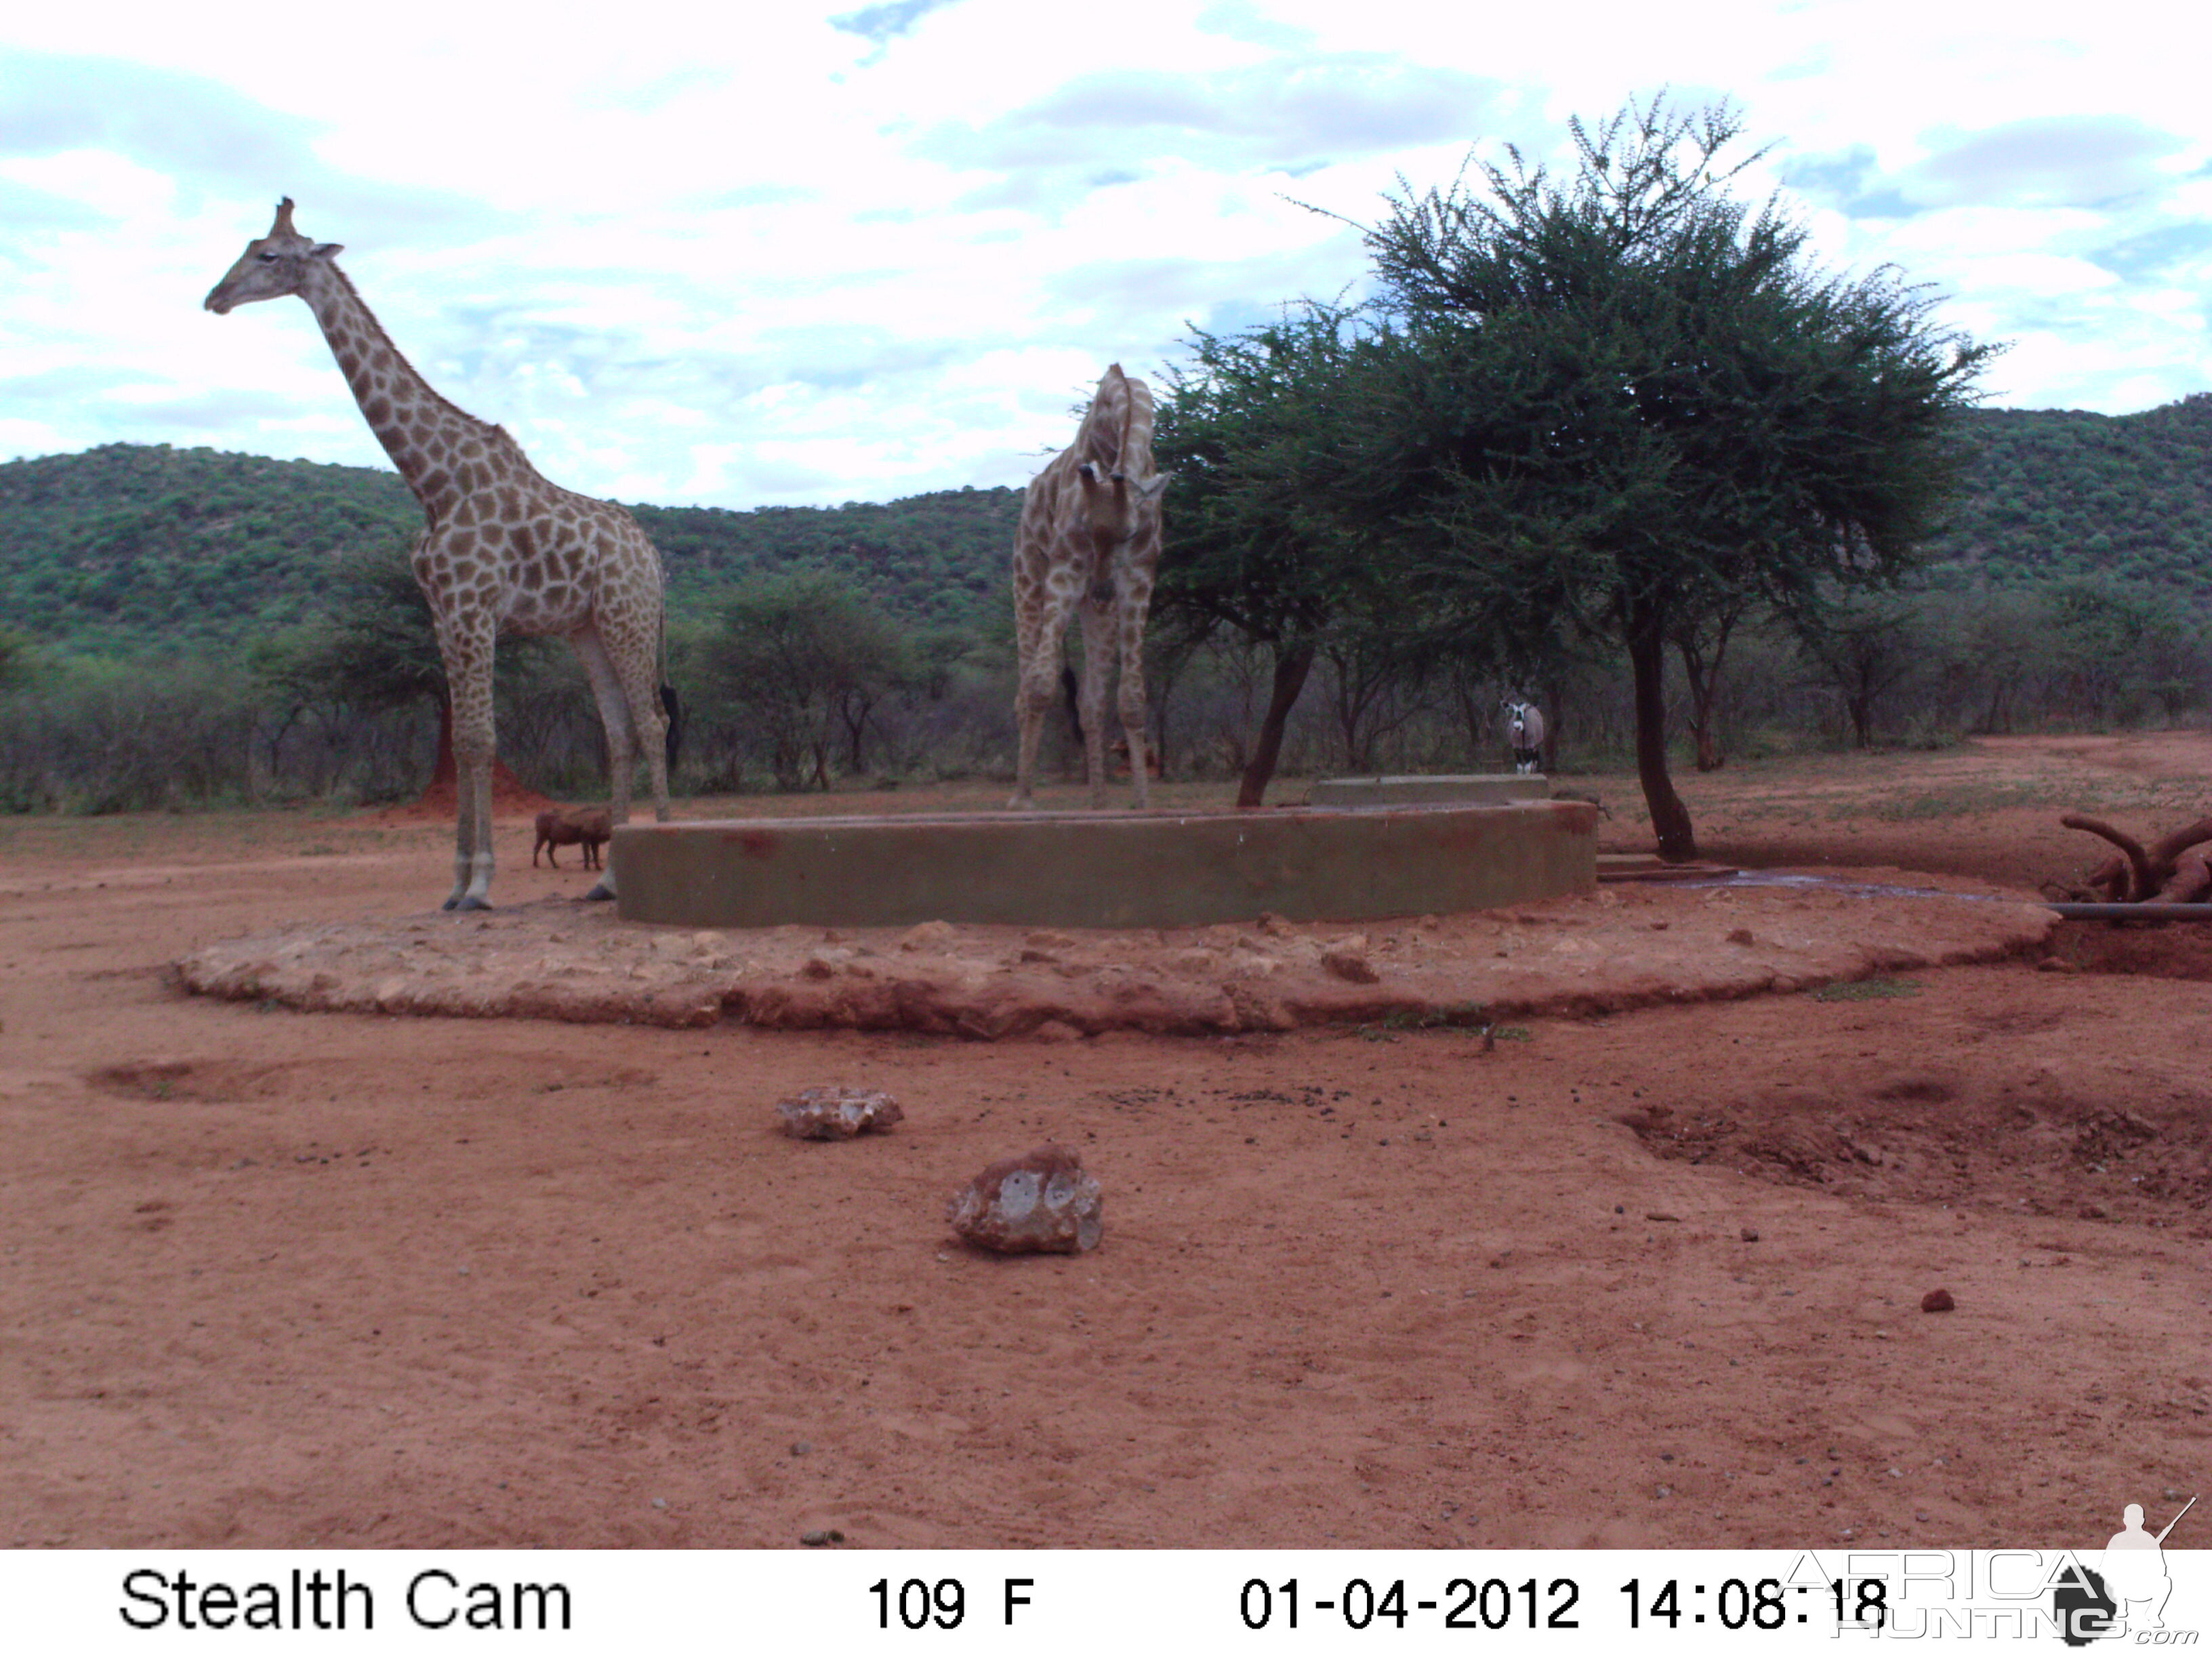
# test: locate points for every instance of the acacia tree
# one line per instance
(1635, 404)
(374, 645)
(376, 649)
(1862, 644)
(804, 663)
(373, 649)
(1271, 535)
(1702, 642)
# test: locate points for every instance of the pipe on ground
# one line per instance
(2147, 912)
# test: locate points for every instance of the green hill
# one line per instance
(2052, 493)
(944, 557)
(129, 548)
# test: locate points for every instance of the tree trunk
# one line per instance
(1555, 721)
(1292, 663)
(1349, 705)
(1860, 709)
(788, 759)
(853, 710)
(1472, 704)
(1359, 685)
(1647, 657)
(1160, 676)
(1704, 683)
(276, 738)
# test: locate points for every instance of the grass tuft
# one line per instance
(1866, 990)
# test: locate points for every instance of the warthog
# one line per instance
(571, 826)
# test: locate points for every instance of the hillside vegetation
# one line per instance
(132, 547)
(128, 548)
(2073, 588)
(2052, 493)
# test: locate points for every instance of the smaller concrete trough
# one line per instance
(1453, 789)
(1106, 869)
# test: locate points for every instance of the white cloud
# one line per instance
(851, 251)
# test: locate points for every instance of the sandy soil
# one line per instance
(279, 1278)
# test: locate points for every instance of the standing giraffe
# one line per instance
(1089, 544)
(501, 548)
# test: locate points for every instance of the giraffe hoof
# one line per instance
(599, 891)
(468, 902)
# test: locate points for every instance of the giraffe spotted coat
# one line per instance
(501, 548)
(1089, 546)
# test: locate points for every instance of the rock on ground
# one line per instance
(1042, 1201)
(837, 1114)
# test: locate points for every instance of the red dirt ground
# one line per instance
(280, 1279)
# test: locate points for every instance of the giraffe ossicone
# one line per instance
(1088, 547)
(501, 548)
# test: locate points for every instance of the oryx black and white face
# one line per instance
(1524, 733)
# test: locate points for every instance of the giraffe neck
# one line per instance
(425, 435)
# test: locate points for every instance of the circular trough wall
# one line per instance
(1616, 948)
(1062, 870)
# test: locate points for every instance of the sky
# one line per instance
(794, 255)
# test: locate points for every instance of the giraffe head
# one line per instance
(1120, 490)
(275, 265)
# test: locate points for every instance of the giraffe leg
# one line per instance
(1129, 627)
(648, 719)
(1040, 631)
(465, 834)
(611, 691)
(468, 676)
(630, 623)
(1098, 663)
(640, 669)
(476, 779)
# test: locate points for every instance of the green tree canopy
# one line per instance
(14, 659)
(375, 648)
(1631, 401)
(1270, 537)
(806, 663)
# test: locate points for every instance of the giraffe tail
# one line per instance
(671, 704)
(674, 706)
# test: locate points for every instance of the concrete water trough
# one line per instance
(1426, 789)
(1104, 869)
